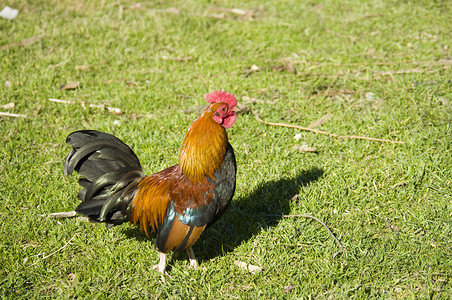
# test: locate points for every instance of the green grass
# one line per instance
(381, 68)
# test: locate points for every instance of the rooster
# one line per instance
(175, 205)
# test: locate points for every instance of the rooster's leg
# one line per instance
(192, 258)
(161, 266)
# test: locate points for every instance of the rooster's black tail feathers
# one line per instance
(110, 173)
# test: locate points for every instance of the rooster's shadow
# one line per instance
(248, 215)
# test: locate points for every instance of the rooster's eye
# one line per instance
(223, 109)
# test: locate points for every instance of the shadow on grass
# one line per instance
(249, 215)
(246, 216)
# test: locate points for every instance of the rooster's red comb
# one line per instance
(221, 96)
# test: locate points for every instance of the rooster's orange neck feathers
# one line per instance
(204, 146)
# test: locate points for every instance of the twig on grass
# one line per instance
(436, 39)
(61, 101)
(7, 114)
(296, 216)
(64, 215)
(316, 64)
(323, 224)
(111, 110)
(54, 252)
(324, 132)
(24, 42)
(59, 215)
(60, 63)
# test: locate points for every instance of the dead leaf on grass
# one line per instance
(224, 12)
(131, 83)
(242, 109)
(8, 106)
(251, 100)
(81, 67)
(248, 267)
(332, 93)
(390, 226)
(70, 86)
(285, 68)
(114, 110)
(236, 11)
(72, 277)
(288, 288)
(251, 70)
